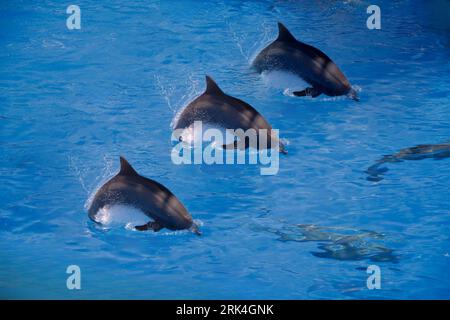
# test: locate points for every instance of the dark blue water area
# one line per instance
(72, 101)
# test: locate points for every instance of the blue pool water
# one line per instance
(72, 101)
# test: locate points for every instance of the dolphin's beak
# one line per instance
(282, 148)
(194, 228)
(353, 95)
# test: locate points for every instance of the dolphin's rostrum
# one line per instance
(309, 63)
(152, 198)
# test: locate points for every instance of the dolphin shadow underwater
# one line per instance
(217, 108)
(338, 243)
(305, 61)
(419, 152)
(150, 197)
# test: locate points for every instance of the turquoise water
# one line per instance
(72, 101)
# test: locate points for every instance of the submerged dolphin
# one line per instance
(152, 198)
(341, 243)
(288, 54)
(423, 151)
(216, 107)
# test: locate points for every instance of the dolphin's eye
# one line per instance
(180, 138)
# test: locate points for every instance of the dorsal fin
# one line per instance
(126, 169)
(212, 87)
(284, 34)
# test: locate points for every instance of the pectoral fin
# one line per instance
(308, 92)
(236, 145)
(152, 225)
(230, 146)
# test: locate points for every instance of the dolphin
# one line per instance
(419, 152)
(152, 198)
(309, 63)
(216, 107)
(341, 243)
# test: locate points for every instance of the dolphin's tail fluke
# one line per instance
(195, 229)
(375, 172)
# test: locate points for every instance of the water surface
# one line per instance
(72, 101)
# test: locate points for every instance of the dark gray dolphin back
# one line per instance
(288, 54)
(155, 200)
(214, 106)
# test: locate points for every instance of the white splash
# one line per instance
(177, 101)
(106, 175)
(245, 41)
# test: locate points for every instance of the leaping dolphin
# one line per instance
(216, 107)
(309, 63)
(152, 198)
(422, 151)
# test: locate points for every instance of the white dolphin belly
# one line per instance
(120, 215)
(284, 80)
